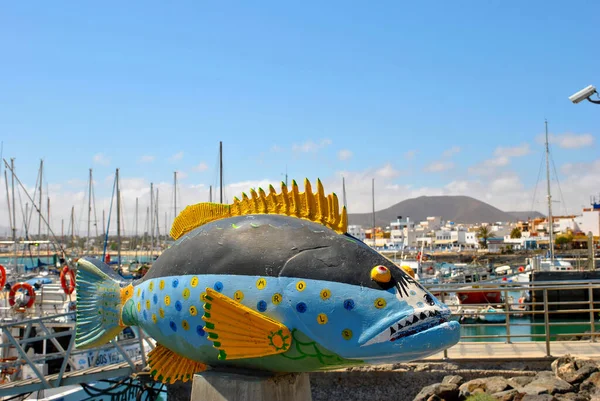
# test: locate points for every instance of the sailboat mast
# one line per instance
(118, 221)
(221, 172)
(14, 209)
(210, 194)
(72, 228)
(48, 224)
(87, 247)
(550, 219)
(174, 196)
(136, 224)
(344, 192)
(373, 197)
(151, 219)
(40, 207)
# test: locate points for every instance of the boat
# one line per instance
(478, 297)
(489, 314)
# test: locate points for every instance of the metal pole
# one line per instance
(14, 229)
(118, 222)
(343, 191)
(373, 199)
(210, 194)
(87, 247)
(72, 228)
(136, 222)
(174, 195)
(40, 214)
(547, 323)
(591, 301)
(221, 172)
(507, 322)
(151, 219)
(48, 227)
(550, 220)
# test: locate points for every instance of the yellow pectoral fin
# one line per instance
(166, 366)
(239, 332)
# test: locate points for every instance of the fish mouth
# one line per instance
(418, 321)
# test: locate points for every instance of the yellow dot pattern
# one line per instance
(154, 318)
(161, 284)
(261, 283)
(147, 304)
(194, 282)
(186, 293)
(300, 286)
(193, 310)
(238, 295)
(185, 325)
(161, 313)
(276, 298)
(151, 286)
(346, 334)
(167, 300)
(322, 318)
(380, 303)
(325, 294)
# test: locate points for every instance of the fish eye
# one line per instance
(429, 300)
(381, 274)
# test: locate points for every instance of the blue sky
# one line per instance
(419, 96)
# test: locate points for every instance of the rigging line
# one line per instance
(38, 210)
(536, 184)
(37, 181)
(108, 221)
(562, 199)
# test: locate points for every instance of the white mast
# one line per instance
(87, 247)
(550, 220)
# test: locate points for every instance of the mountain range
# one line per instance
(459, 209)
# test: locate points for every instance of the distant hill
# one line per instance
(526, 215)
(459, 209)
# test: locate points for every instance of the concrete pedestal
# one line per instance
(219, 386)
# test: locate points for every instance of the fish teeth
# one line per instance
(392, 331)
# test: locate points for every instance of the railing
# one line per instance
(551, 311)
(46, 329)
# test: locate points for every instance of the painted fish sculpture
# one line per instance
(271, 282)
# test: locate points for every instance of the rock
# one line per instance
(592, 383)
(520, 381)
(490, 385)
(422, 367)
(581, 362)
(580, 374)
(572, 397)
(507, 395)
(447, 392)
(435, 398)
(549, 383)
(540, 397)
(457, 380)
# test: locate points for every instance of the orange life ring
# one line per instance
(70, 287)
(18, 286)
(2, 276)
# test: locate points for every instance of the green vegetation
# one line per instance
(483, 234)
(564, 240)
(515, 233)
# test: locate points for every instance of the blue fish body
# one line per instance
(268, 292)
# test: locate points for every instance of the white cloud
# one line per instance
(100, 158)
(451, 151)
(514, 151)
(177, 156)
(387, 171)
(502, 158)
(276, 149)
(410, 154)
(438, 166)
(310, 146)
(568, 140)
(344, 154)
(146, 159)
(200, 167)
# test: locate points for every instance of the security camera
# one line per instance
(583, 94)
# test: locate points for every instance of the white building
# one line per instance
(589, 221)
(357, 232)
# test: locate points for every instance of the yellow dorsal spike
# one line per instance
(308, 211)
(262, 201)
(322, 212)
(316, 207)
(343, 226)
(285, 199)
(294, 200)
